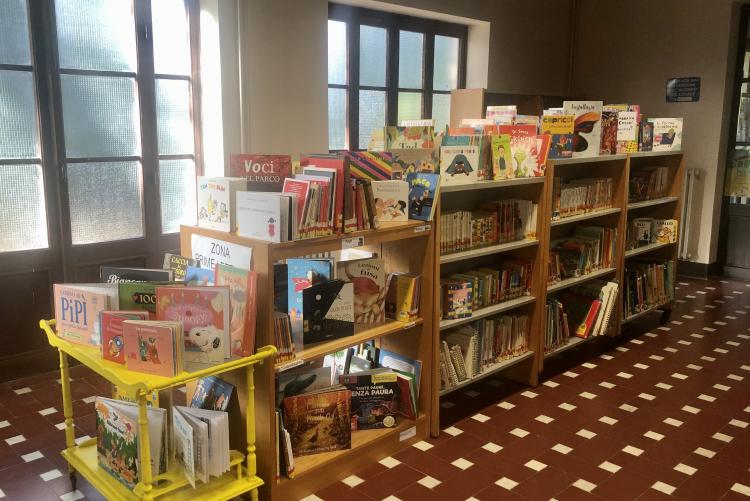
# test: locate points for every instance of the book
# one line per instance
(204, 315)
(459, 164)
(391, 200)
(501, 114)
(409, 138)
(113, 343)
(242, 302)
(212, 393)
(523, 148)
(263, 172)
(216, 198)
(266, 216)
(201, 442)
(502, 160)
(115, 275)
(424, 188)
(557, 124)
(401, 363)
(77, 309)
(408, 161)
(587, 126)
(402, 297)
(376, 398)
(195, 275)
(307, 378)
(302, 191)
(178, 264)
(318, 422)
(646, 140)
(369, 279)
(328, 311)
(664, 231)
(609, 132)
(561, 146)
(667, 134)
(140, 295)
(302, 273)
(340, 165)
(627, 131)
(153, 347)
(374, 165)
(117, 430)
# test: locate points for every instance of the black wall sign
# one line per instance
(684, 89)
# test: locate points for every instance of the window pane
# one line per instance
(171, 37)
(372, 48)
(441, 111)
(446, 63)
(177, 191)
(14, 32)
(96, 34)
(106, 201)
(336, 52)
(371, 114)
(173, 117)
(19, 137)
(409, 106)
(101, 116)
(410, 55)
(336, 119)
(24, 222)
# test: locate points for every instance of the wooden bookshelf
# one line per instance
(489, 371)
(407, 246)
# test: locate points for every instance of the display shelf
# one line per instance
(570, 282)
(651, 203)
(583, 217)
(647, 154)
(490, 370)
(572, 343)
(586, 160)
(483, 185)
(646, 248)
(488, 311)
(634, 316)
(486, 251)
(362, 333)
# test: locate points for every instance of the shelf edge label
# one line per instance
(407, 434)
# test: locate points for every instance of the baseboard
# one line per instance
(693, 269)
(736, 273)
(29, 364)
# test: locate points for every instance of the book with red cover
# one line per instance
(242, 301)
(543, 143)
(152, 347)
(516, 130)
(263, 172)
(302, 190)
(113, 343)
(343, 197)
(582, 311)
(322, 223)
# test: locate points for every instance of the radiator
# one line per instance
(691, 177)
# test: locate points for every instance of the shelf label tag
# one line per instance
(407, 434)
(352, 242)
(409, 325)
(422, 229)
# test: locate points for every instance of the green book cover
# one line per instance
(141, 295)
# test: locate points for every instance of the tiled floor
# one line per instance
(667, 412)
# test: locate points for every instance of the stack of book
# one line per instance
(403, 296)
(647, 183)
(580, 196)
(589, 249)
(589, 307)
(556, 331)
(643, 231)
(647, 285)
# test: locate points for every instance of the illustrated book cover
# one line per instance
(318, 422)
(328, 311)
(216, 197)
(77, 309)
(263, 172)
(587, 126)
(242, 301)
(391, 200)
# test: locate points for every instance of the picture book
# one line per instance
(557, 124)
(459, 164)
(423, 190)
(141, 295)
(646, 141)
(401, 363)
(263, 172)
(301, 189)
(587, 126)
(115, 275)
(195, 275)
(212, 393)
(242, 301)
(204, 314)
(627, 131)
(501, 114)
(201, 442)
(113, 343)
(375, 165)
(307, 378)
(339, 171)
(377, 140)
(561, 146)
(216, 197)
(265, 216)
(609, 132)
(153, 347)
(391, 200)
(375, 398)
(318, 422)
(523, 149)
(667, 134)
(302, 273)
(402, 297)
(77, 308)
(328, 311)
(408, 161)
(369, 279)
(502, 160)
(665, 231)
(178, 264)
(397, 138)
(117, 439)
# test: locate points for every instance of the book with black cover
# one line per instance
(116, 275)
(328, 311)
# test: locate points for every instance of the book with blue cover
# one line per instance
(302, 273)
(423, 190)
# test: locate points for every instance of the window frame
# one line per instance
(354, 17)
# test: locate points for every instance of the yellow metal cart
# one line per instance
(171, 485)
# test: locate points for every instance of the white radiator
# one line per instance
(691, 177)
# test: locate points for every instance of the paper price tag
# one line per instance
(409, 325)
(422, 229)
(407, 434)
(352, 242)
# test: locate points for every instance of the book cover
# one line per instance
(302, 273)
(263, 172)
(423, 190)
(502, 160)
(375, 165)
(117, 443)
(647, 135)
(242, 301)
(369, 279)
(318, 422)
(523, 149)
(328, 311)
(212, 393)
(391, 200)
(150, 347)
(627, 131)
(301, 189)
(665, 231)
(409, 138)
(184, 445)
(216, 197)
(140, 295)
(77, 309)
(195, 275)
(375, 399)
(459, 164)
(501, 114)
(609, 132)
(667, 134)
(557, 124)
(178, 264)
(402, 297)
(113, 343)
(116, 275)
(561, 146)
(262, 216)
(341, 165)
(408, 161)
(587, 126)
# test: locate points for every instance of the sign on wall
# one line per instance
(210, 251)
(684, 90)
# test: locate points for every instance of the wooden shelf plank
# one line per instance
(583, 217)
(652, 202)
(642, 154)
(587, 160)
(572, 342)
(632, 317)
(646, 248)
(485, 251)
(483, 185)
(570, 282)
(488, 311)
(489, 371)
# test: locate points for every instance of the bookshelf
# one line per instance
(523, 367)
(171, 485)
(407, 246)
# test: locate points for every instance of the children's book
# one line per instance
(375, 398)
(263, 172)
(77, 309)
(216, 196)
(302, 190)
(402, 298)
(665, 231)
(459, 164)
(141, 295)
(318, 422)
(369, 279)
(423, 190)
(502, 160)
(557, 124)
(201, 441)
(587, 126)
(561, 146)
(306, 378)
(409, 138)
(667, 134)
(113, 343)
(242, 301)
(501, 114)
(341, 166)
(195, 275)
(646, 141)
(328, 311)
(609, 132)
(401, 363)
(178, 264)
(374, 165)
(391, 200)
(627, 131)
(212, 393)
(302, 273)
(115, 275)
(265, 216)
(409, 161)
(153, 347)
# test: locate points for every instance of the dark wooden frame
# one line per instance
(393, 23)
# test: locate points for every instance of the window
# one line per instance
(384, 68)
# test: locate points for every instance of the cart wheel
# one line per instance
(73, 480)
(665, 316)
